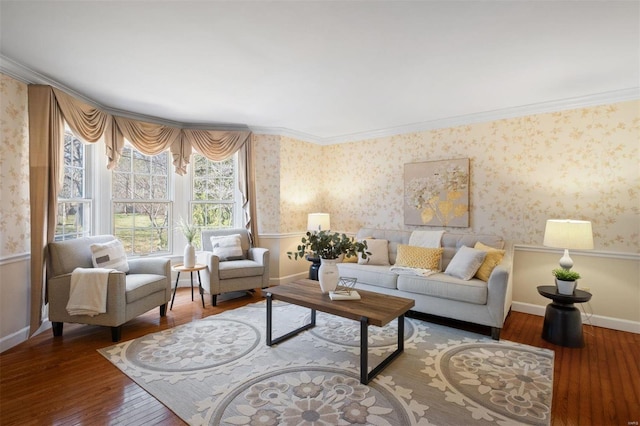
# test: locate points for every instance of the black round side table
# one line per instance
(562, 320)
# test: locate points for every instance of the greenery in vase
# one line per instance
(189, 230)
(565, 274)
(328, 245)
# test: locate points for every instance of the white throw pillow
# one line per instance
(465, 263)
(109, 255)
(228, 247)
(379, 250)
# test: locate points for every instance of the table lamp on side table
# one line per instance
(568, 234)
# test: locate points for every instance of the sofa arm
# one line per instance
(151, 265)
(58, 293)
(498, 288)
(260, 255)
(209, 277)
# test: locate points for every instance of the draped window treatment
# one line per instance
(50, 107)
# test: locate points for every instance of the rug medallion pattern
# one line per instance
(218, 370)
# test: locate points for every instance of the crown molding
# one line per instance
(29, 76)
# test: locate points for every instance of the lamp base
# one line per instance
(313, 269)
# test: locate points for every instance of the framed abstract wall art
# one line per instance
(436, 193)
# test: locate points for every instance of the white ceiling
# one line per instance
(326, 70)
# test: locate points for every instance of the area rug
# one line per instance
(218, 370)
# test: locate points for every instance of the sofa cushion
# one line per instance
(227, 247)
(379, 250)
(465, 263)
(142, 285)
(239, 269)
(447, 287)
(378, 275)
(494, 257)
(110, 255)
(418, 257)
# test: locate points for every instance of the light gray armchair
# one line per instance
(224, 276)
(147, 285)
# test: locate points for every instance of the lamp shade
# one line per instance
(568, 234)
(318, 222)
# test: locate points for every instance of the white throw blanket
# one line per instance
(88, 291)
(412, 271)
(429, 239)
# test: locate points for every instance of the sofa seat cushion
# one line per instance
(239, 269)
(378, 275)
(140, 286)
(446, 287)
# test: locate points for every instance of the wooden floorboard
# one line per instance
(65, 381)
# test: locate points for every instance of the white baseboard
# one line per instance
(587, 318)
(13, 339)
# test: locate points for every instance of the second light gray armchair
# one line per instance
(231, 268)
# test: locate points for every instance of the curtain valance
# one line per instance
(91, 123)
(49, 108)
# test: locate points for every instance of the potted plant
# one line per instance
(565, 280)
(189, 230)
(328, 246)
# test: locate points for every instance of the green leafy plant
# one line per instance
(328, 245)
(565, 274)
(189, 230)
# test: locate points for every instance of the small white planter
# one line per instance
(566, 287)
(189, 257)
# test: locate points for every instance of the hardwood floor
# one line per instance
(65, 381)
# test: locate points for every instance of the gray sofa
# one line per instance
(475, 301)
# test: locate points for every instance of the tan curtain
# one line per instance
(152, 139)
(49, 108)
(219, 145)
(46, 136)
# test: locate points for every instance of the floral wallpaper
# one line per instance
(14, 168)
(289, 176)
(580, 164)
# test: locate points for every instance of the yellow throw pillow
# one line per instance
(419, 257)
(494, 257)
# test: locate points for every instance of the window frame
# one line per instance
(168, 202)
(86, 199)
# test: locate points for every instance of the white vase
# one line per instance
(566, 287)
(189, 258)
(328, 275)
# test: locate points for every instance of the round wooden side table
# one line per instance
(181, 268)
(562, 320)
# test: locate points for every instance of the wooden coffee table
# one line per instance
(372, 309)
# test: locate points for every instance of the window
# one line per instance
(141, 203)
(214, 193)
(74, 204)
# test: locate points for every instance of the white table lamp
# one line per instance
(318, 222)
(568, 234)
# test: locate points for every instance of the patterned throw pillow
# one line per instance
(494, 257)
(109, 255)
(228, 247)
(419, 257)
(465, 263)
(379, 250)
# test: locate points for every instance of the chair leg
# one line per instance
(214, 299)
(495, 333)
(116, 333)
(57, 328)
(163, 310)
